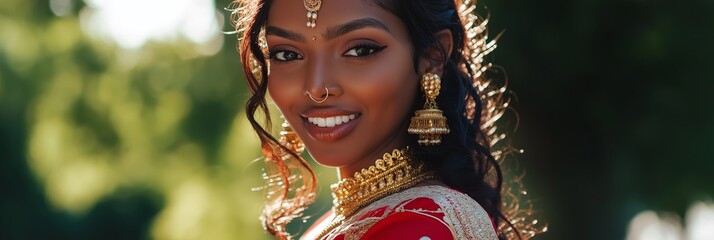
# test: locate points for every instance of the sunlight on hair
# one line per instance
(649, 225)
(133, 23)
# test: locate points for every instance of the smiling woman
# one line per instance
(350, 78)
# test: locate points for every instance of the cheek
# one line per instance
(387, 88)
(389, 91)
(276, 92)
(283, 91)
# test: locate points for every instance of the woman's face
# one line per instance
(362, 55)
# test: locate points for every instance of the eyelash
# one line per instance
(272, 56)
(374, 48)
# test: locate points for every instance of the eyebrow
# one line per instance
(332, 32)
(361, 23)
(270, 30)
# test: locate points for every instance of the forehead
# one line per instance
(291, 14)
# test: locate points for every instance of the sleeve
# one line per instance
(467, 217)
(409, 225)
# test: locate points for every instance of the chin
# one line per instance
(329, 156)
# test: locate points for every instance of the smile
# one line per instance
(328, 125)
(331, 121)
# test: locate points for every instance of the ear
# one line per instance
(434, 58)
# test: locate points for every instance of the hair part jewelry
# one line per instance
(430, 122)
(312, 7)
(327, 94)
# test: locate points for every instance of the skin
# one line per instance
(380, 85)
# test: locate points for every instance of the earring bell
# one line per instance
(430, 122)
(290, 139)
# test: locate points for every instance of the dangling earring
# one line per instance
(290, 140)
(430, 122)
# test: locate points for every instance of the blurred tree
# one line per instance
(614, 105)
(103, 142)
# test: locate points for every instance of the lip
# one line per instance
(329, 134)
(324, 112)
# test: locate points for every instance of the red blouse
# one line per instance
(419, 213)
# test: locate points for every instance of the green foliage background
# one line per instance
(614, 105)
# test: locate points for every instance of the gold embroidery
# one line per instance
(393, 173)
(464, 216)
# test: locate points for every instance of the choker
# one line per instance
(391, 174)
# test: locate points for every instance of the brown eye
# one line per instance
(285, 56)
(361, 51)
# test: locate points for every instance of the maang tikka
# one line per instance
(312, 7)
(430, 122)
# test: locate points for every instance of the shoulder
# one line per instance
(434, 212)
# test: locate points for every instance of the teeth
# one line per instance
(331, 121)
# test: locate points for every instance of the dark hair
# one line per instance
(463, 161)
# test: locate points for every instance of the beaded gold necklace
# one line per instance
(392, 173)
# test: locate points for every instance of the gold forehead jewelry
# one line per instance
(312, 7)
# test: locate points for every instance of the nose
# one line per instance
(321, 82)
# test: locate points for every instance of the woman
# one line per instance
(393, 95)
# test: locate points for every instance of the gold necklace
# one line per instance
(391, 174)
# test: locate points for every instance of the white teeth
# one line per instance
(331, 121)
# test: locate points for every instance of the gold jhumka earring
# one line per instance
(312, 7)
(290, 140)
(430, 122)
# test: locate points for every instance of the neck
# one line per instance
(397, 141)
(350, 170)
(392, 173)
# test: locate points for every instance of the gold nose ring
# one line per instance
(320, 101)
